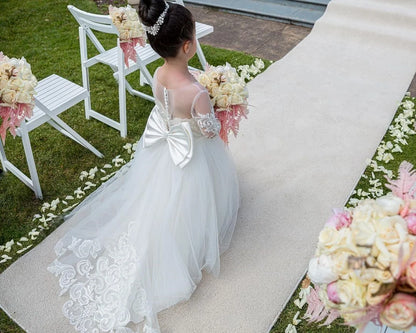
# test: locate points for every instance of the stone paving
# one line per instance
(262, 38)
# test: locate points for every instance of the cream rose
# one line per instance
(223, 101)
(124, 35)
(370, 296)
(9, 96)
(400, 312)
(16, 84)
(236, 99)
(6, 68)
(340, 263)
(226, 88)
(364, 232)
(411, 275)
(3, 83)
(351, 292)
(23, 97)
(204, 79)
(392, 229)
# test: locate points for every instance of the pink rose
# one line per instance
(400, 312)
(332, 293)
(411, 274)
(341, 219)
(411, 222)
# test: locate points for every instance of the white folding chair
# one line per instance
(54, 95)
(115, 59)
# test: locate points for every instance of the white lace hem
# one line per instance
(102, 285)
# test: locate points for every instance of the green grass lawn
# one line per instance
(46, 34)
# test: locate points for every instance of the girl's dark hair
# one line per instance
(177, 27)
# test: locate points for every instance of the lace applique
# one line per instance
(99, 288)
(208, 123)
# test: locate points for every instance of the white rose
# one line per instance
(390, 204)
(320, 270)
(25, 72)
(259, 63)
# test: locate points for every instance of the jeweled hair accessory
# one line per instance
(154, 29)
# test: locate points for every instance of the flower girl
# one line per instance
(139, 243)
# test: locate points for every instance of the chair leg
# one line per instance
(122, 91)
(3, 157)
(143, 80)
(201, 55)
(65, 129)
(84, 70)
(30, 161)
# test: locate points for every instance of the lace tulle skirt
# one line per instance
(141, 240)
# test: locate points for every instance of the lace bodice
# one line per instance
(190, 103)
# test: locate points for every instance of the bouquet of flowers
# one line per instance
(228, 94)
(130, 30)
(17, 85)
(364, 267)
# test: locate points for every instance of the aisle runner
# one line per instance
(319, 113)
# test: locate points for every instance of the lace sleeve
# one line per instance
(203, 113)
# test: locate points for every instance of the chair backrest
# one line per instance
(89, 22)
(97, 22)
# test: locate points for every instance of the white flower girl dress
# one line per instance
(140, 241)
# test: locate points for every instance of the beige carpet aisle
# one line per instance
(317, 115)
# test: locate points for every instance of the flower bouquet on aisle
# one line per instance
(229, 94)
(364, 267)
(130, 29)
(17, 87)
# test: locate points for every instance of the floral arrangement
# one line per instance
(17, 87)
(131, 31)
(364, 267)
(228, 92)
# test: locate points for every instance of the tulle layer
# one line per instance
(139, 243)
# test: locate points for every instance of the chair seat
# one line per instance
(203, 29)
(57, 95)
(109, 57)
(146, 53)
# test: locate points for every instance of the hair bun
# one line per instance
(149, 11)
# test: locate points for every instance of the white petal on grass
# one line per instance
(24, 249)
(291, 329)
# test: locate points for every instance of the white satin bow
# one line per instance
(178, 136)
